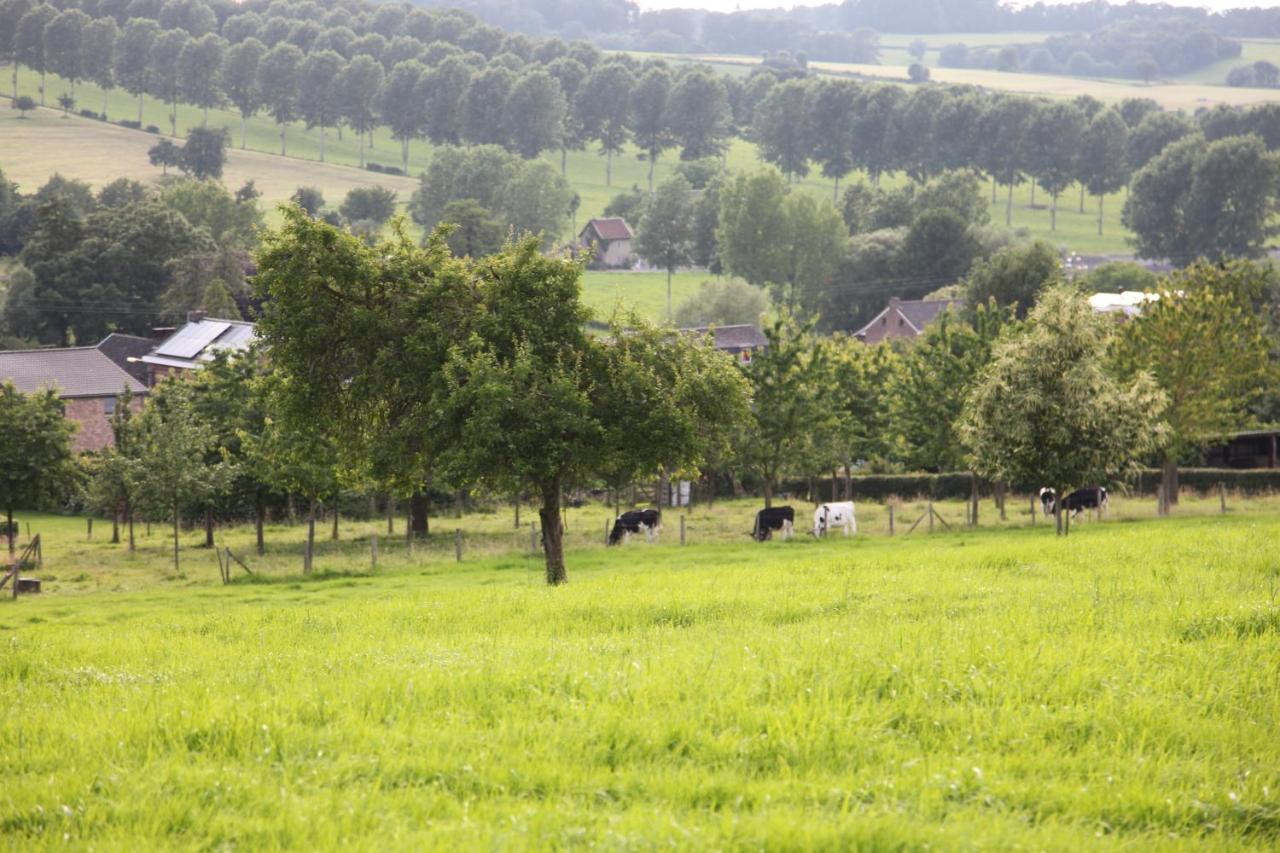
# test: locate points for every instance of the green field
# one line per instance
(45, 143)
(643, 292)
(999, 688)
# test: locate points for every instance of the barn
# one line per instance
(611, 237)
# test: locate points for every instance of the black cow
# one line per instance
(774, 518)
(1090, 497)
(632, 521)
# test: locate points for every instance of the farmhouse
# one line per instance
(740, 340)
(611, 238)
(195, 343)
(904, 318)
(86, 380)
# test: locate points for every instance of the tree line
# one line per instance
(418, 371)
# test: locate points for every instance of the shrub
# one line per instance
(132, 125)
(151, 128)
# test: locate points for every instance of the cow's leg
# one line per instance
(787, 529)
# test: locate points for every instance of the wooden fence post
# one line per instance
(533, 539)
(607, 527)
(373, 550)
(890, 519)
(682, 530)
(930, 515)
(90, 520)
(457, 544)
(1222, 498)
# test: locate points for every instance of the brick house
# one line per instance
(904, 318)
(87, 381)
(612, 238)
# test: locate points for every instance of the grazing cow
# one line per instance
(1090, 497)
(832, 515)
(633, 521)
(774, 518)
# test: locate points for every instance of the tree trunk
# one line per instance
(418, 512)
(404, 155)
(768, 493)
(391, 514)
(993, 189)
(115, 526)
(284, 129)
(139, 109)
(973, 495)
(204, 122)
(1008, 206)
(259, 518)
(608, 169)
(564, 152)
(1082, 198)
(173, 118)
(42, 88)
(8, 531)
(175, 538)
(322, 143)
(106, 93)
(652, 157)
(1169, 481)
(208, 527)
(1053, 215)
(128, 516)
(1033, 192)
(516, 503)
(1057, 511)
(1100, 215)
(311, 537)
(552, 533)
(361, 135)
(669, 271)
(244, 129)
(661, 499)
(835, 192)
(335, 524)
(15, 80)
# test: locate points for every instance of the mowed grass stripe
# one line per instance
(997, 688)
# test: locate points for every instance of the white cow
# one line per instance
(832, 515)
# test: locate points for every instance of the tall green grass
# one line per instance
(997, 688)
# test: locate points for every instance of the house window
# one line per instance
(746, 356)
(108, 405)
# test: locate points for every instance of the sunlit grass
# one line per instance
(995, 688)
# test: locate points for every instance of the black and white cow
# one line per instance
(633, 521)
(781, 518)
(840, 514)
(1090, 497)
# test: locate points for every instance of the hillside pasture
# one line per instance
(998, 688)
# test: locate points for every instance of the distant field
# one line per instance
(32, 150)
(998, 689)
(644, 292)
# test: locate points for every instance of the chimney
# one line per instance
(195, 316)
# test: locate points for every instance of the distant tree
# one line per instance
(205, 153)
(954, 56)
(1216, 200)
(112, 472)
(699, 114)
(356, 91)
(724, 302)
(1207, 347)
(917, 73)
(1103, 163)
(1153, 133)
(279, 75)
(165, 154)
(1012, 278)
(29, 41)
(833, 104)
(207, 205)
(938, 249)
(476, 233)
(570, 74)
(781, 128)
(35, 456)
(877, 106)
(1047, 411)
(665, 236)
(240, 80)
(310, 199)
(649, 119)
(199, 70)
(24, 104)
(191, 16)
(536, 201)
(604, 106)
(627, 205)
(535, 114)
(1002, 154)
(122, 192)
(11, 13)
(1117, 277)
(372, 204)
(1052, 140)
(317, 95)
(63, 43)
(1266, 74)
(917, 48)
(751, 218)
(812, 244)
(398, 107)
(166, 51)
(98, 47)
(132, 58)
(443, 90)
(485, 106)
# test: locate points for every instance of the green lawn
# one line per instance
(644, 292)
(84, 149)
(996, 689)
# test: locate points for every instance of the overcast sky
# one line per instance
(731, 5)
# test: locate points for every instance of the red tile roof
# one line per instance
(613, 228)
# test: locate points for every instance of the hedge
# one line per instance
(958, 485)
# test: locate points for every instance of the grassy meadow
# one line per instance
(993, 688)
(45, 143)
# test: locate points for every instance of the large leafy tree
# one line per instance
(1050, 147)
(113, 471)
(98, 47)
(164, 71)
(484, 121)
(132, 60)
(278, 79)
(535, 114)
(398, 107)
(11, 12)
(240, 81)
(483, 369)
(199, 70)
(1013, 277)
(604, 106)
(317, 100)
(649, 115)
(29, 41)
(35, 456)
(1205, 343)
(1216, 200)
(1103, 161)
(1048, 412)
(356, 90)
(1000, 155)
(752, 216)
(781, 128)
(699, 114)
(833, 106)
(443, 90)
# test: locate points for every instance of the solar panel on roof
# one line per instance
(188, 342)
